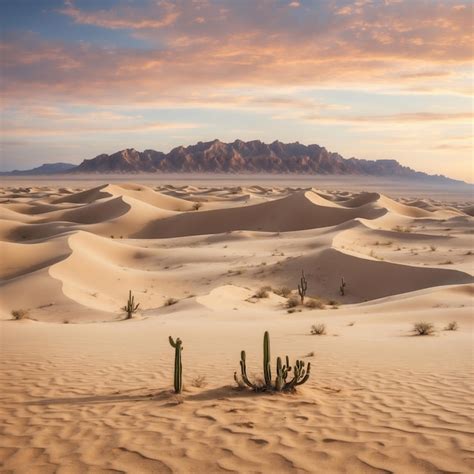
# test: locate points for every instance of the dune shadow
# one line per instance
(143, 395)
(226, 391)
(115, 397)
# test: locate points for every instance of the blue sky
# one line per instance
(373, 79)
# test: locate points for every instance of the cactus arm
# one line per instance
(243, 370)
(305, 377)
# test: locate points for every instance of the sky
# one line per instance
(373, 79)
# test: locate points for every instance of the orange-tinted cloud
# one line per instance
(409, 44)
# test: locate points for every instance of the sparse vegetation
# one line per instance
(283, 291)
(423, 329)
(178, 366)
(130, 308)
(318, 329)
(433, 248)
(197, 206)
(447, 262)
(399, 228)
(452, 326)
(314, 304)
(19, 314)
(292, 302)
(263, 292)
(351, 323)
(300, 372)
(170, 302)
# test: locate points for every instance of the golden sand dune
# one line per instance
(84, 390)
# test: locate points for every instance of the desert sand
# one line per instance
(84, 390)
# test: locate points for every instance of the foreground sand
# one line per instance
(97, 397)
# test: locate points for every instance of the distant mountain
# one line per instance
(238, 157)
(47, 168)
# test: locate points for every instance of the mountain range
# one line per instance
(238, 157)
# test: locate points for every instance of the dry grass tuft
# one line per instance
(423, 329)
(19, 314)
(452, 326)
(314, 304)
(292, 302)
(263, 292)
(283, 291)
(318, 329)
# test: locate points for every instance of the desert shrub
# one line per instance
(351, 323)
(293, 310)
(318, 329)
(283, 291)
(334, 303)
(292, 302)
(314, 304)
(199, 381)
(19, 314)
(452, 326)
(263, 292)
(423, 329)
(170, 302)
(197, 206)
(432, 248)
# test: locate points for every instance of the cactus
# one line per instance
(342, 287)
(300, 373)
(178, 366)
(302, 287)
(267, 371)
(130, 307)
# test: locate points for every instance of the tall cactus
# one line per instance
(267, 371)
(178, 366)
(130, 307)
(342, 287)
(300, 373)
(302, 287)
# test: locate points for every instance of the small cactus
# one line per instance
(178, 366)
(130, 308)
(281, 384)
(342, 287)
(302, 287)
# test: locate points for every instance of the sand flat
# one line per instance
(84, 390)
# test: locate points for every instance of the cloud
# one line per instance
(163, 14)
(401, 118)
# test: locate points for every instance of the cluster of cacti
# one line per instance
(302, 287)
(342, 287)
(178, 367)
(130, 307)
(299, 375)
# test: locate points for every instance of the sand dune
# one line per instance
(84, 390)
